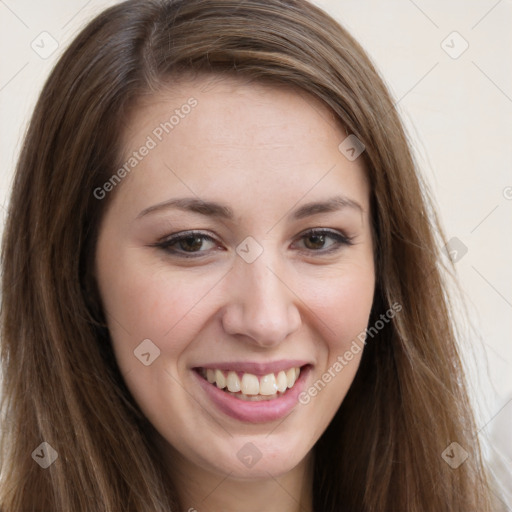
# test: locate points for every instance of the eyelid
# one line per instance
(340, 238)
(179, 235)
(167, 241)
(325, 231)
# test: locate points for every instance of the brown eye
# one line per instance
(187, 245)
(190, 243)
(316, 240)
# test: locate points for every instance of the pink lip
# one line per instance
(255, 412)
(258, 369)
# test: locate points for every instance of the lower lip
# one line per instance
(255, 411)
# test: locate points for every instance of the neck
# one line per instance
(201, 490)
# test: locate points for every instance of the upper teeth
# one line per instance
(250, 384)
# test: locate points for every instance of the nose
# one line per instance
(262, 306)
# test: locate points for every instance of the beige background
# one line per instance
(456, 103)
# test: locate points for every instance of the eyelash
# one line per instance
(340, 240)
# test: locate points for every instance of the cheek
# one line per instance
(341, 307)
(341, 303)
(143, 301)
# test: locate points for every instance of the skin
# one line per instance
(264, 151)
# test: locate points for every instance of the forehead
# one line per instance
(213, 134)
(229, 103)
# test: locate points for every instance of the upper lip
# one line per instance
(256, 368)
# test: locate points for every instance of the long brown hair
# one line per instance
(61, 384)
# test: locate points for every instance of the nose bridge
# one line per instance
(261, 307)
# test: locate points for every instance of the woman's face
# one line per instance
(276, 278)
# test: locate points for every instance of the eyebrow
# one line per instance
(217, 210)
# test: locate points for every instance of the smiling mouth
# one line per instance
(249, 387)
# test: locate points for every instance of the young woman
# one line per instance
(221, 283)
